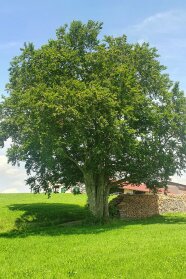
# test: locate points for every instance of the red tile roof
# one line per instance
(139, 187)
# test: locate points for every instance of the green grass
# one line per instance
(35, 244)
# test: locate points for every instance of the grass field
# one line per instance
(34, 243)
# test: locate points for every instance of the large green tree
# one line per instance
(80, 109)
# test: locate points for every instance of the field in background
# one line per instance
(35, 242)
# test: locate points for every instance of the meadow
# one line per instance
(42, 238)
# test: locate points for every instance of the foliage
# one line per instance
(113, 209)
(76, 190)
(81, 109)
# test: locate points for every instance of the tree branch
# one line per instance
(74, 161)
(118, 182)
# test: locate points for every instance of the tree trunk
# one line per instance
(97, 191)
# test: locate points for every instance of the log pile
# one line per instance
(142, 206)
(172, 203)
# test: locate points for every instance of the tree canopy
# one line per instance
(84, 109)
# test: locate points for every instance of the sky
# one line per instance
(159, 22)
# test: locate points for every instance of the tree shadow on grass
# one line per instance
(57, 219)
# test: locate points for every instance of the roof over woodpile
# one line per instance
(139, 187)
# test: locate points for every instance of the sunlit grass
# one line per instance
(35, 243)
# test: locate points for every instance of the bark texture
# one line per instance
(97, 191)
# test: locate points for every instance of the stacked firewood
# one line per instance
(141, 206)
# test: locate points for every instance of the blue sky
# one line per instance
(160, 22)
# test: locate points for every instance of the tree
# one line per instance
(80, 109)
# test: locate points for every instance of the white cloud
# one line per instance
(162, 23)
(180, 179)
(10, 190)
(12, 178)
(166, 31)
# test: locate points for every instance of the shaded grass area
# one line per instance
(23, 212)
(40, 215)
(34, 243)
